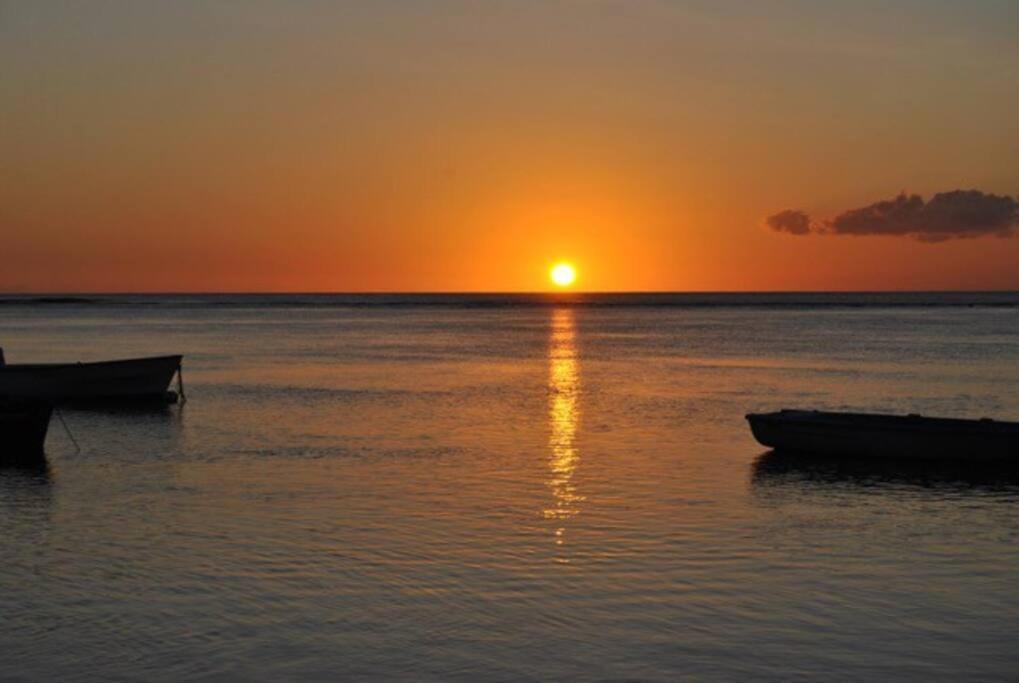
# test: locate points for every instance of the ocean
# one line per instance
(510, 487)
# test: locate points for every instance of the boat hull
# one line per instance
(23, 427)
(134, 379)
(885, 436)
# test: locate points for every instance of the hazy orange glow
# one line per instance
(373, 147)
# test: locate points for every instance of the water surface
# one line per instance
(511, 488)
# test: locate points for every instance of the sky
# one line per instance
(468, 146)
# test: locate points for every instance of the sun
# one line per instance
(563, 274)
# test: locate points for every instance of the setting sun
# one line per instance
(563, 274)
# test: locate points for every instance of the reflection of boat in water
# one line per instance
(885, 436)
(26, 494)
(134, 380)
(786, 471)
(23, 427)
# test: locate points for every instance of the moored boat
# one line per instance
(886, 436)
(23, 427)
(135, 379)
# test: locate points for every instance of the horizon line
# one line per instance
(238, 292)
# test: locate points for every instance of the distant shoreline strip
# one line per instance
(497, 301)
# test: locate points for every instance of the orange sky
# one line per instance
(463, 146)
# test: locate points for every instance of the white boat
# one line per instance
(887, 436)
(134, 379)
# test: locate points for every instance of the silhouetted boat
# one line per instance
(132, 380)
(886, 436)
(23, 427)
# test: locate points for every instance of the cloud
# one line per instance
(948, 215)
(790, 220)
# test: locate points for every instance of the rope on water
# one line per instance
(180, 384)
(67, 429)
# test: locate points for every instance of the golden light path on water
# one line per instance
(564, 417)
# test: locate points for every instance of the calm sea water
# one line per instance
(511, 488)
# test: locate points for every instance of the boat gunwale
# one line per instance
(31, 367)
(883, 422)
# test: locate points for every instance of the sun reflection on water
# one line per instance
(563, 416)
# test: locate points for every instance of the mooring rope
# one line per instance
(67, 429)
(180, 384)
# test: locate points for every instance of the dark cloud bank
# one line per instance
(948, 215)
